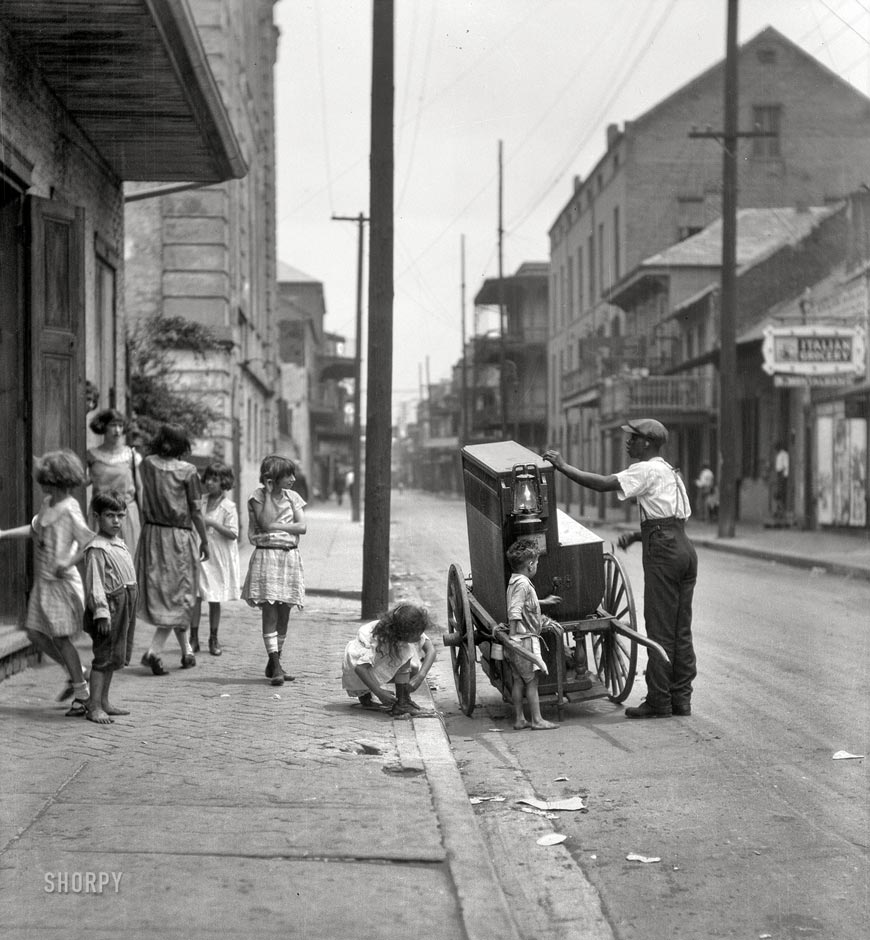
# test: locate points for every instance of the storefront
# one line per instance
(831, 363)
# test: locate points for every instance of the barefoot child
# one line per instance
(524, 617)
(393, 649)
(111, 596)
(275, 581)
(60, 535)
(219, 575)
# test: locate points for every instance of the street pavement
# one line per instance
(225, 806)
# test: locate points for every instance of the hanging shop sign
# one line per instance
(813, 355)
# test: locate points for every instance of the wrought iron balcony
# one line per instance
(659, 395)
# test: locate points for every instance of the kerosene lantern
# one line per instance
(527, 504)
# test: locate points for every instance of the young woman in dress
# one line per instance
(113, 465)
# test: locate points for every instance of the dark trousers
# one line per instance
(113, 650)
(670, 568)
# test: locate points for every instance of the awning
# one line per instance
(135, 77)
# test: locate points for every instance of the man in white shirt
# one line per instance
(670, 564)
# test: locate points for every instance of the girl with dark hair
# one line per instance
(60, 535)
(393, 649)
(113, 466)
(275, 582)
(167, 560)
(219, 576)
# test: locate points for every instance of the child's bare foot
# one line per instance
(543, 725)
(520, 723)
(97, 715)
(110, 709)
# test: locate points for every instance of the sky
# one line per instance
(544, 77)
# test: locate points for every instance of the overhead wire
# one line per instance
(565, 165)
(318, 30)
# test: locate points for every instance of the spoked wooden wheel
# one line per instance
(616, 655)
(460, 639)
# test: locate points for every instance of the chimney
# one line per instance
(612, 134)
(578, 182)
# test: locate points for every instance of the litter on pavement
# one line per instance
(572, 803)
(552, 838)
(486, 799)
(646, 859)
(538, 812)
(845, 755)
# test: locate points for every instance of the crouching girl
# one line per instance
(393, 649)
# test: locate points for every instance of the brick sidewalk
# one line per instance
(228, 806)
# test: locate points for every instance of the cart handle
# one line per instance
(626, 630)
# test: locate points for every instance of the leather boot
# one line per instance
(274, 670)
(194, 639)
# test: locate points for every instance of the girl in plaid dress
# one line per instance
(60, 535)
(275, 581)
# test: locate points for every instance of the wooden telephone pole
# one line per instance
(379, 424)
(728, 421)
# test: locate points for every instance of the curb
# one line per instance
(795, 561)
(484, 908)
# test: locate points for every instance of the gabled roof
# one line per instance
(134, 76)
(287, 274)
(767, 35)
(759, 233)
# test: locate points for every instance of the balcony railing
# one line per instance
(658, 395)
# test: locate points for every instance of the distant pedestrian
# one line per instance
(219, 576)
(275, 581)
(350, 483)
(338, 486)
(169, 552)
(393, 649)
(780, 480)
(57, 603)
(705, 485)
(670, 565)
(525, 622)
(111, 597)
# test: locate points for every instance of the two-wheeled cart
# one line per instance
(510, 493)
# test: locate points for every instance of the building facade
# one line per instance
(655, 186)
(69, 139)
(315, 403)
(207, 253)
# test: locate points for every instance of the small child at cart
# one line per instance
(524, 619)
(393, 649)
(111, 598)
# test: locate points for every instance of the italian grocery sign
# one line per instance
(814, 355)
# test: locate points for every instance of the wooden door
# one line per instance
(15, 462)
(56, 285)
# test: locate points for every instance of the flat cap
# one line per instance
(649, 428)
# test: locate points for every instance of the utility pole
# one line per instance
(501, 330)
(463, 398)
(728, 429)
(379, 427)
(357, 369)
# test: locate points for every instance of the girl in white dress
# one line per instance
(394, 649)
(219, 575)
